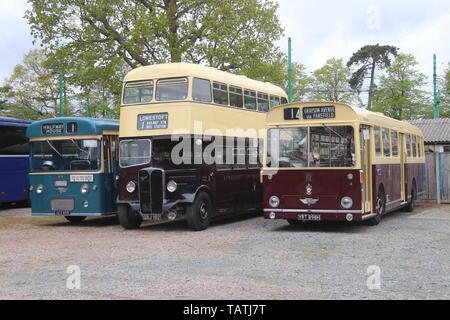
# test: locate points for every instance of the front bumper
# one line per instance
(323, 215)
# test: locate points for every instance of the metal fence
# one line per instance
(430, 176)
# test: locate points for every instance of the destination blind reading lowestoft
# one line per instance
(153, 121)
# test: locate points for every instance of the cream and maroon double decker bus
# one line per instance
(190, 143)
(330, 161)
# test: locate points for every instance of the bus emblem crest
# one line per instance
(309, 189)
(309, 201)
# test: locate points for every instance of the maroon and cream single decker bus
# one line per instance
(330, 161)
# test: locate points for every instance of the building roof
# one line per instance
(344, 114)
(172, 70)
(436, 131)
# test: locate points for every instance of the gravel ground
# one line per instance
(236, 258)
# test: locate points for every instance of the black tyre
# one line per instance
(381, 208)
(75, 219)
(293, 222)
(412, 205)
(128, 218)
(199, 213)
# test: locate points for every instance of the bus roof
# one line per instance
(86, 126)
(344, 113)
(172, 70)
(12, 121)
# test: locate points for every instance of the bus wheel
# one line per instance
(381, 208)
(75, 219)
(199, 213)
(411, 206)
(128, 218)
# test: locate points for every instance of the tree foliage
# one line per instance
(400, 94)
(367, 60)
(330, 83)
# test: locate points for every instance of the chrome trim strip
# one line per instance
(311, 211)
(392, 202)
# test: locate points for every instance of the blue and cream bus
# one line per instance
(73, 167)
(14, 161)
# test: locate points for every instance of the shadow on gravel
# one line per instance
(326, 227)
(90, 222)
(14, 205)
(181, 225)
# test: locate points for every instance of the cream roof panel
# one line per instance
(344, 112)
(169, 70)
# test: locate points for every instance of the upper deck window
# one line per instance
(250, 99)
(201, 90)
(284, 100)
(274, 101)
(220, 93)
(236, 97)
(263, 102)
(172, 89)
(138, 92)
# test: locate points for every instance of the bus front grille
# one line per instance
(151, 191)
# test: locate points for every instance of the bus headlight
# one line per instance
(131, 187)
(274, 202)
(84, 189)
(40, 189)
(346, 202)
(172, 186)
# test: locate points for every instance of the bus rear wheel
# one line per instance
(75, 219)
(198, 214)
(412, 205)
(128, 218)
(381, 208)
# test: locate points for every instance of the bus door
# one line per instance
(109, 145)
(402, 140)
(366, 169)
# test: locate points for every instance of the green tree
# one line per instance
(367, 60)
(445, 94)
(400, 94)
(331, 82)
(33, 88)
(98, 38)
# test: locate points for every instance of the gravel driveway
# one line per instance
(236, 258)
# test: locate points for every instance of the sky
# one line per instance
(320, 29)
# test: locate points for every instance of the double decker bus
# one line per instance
(73, 167)
(330, 161)
(189, 144)
(14, 161)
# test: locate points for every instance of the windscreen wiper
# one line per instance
(54, 149)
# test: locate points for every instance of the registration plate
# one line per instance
(152, 217)
(62, 213)
(309, 217)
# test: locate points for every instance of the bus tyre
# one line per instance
(411, 206)
(381, 208)
(128, 218)
(75, 219)
(198, 214)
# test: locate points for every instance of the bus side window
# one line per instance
(263, 102)
(377, 141)
(201, 90)
(274, 101)
(386, 143)
(408, 145)
(250, 99)
(220, 93)
(394, 140)
(414, 146)
(236, 97)
(284, 100)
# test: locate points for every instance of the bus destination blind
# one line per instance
(153, 121)
(313, 113)
(53, 128)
